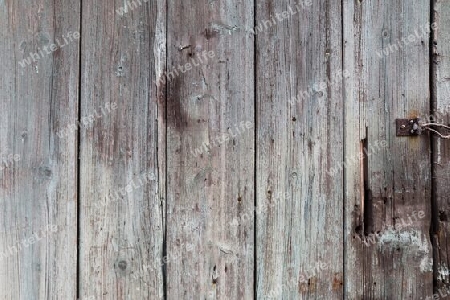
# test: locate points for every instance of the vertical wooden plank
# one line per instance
(210, 124)
(122, 159)
(300, 142)
(441, 150)
(388, 197)
(38, 169)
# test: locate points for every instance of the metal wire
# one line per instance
(426, 126)
(435, 124)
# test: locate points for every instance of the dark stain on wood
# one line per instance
(337, 281)
(176, 116)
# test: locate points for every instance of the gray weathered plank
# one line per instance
(388, 198)
(122, 156)
(300, 139)
(38, 211)
(210, 195)
(441, 159)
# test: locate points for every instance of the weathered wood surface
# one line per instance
(122, 152)
(38, 190)
(300, 116)
(189, 116)
(441, 159)
(210, 150)
(388, 249)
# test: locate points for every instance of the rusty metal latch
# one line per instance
(408, 127)
(414, 127)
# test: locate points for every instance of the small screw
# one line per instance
(183, 47)
(411, 121)
(403, 126)
(412, 131)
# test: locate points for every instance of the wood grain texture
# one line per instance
(388, 249)
(299, 231)
(122, 155)
(441, 150)
(38, 216)
(191, 113)
(210, 195)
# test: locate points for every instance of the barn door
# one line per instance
(388, 178)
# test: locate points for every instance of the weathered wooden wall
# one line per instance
(215, 149)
